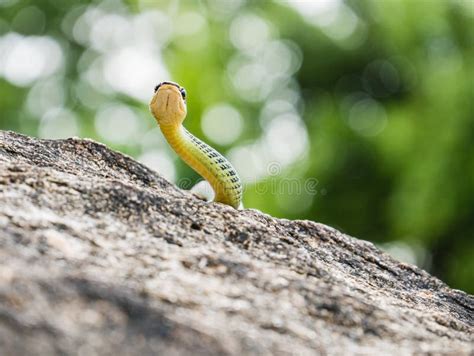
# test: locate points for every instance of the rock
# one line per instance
(100, 255)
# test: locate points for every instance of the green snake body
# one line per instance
(206, 161)
(169, 108)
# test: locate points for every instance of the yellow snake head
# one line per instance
(168, 104)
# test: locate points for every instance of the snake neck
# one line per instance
(207, 162)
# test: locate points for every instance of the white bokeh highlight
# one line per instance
(117, 123)
(58, 123)
(222, 123)
(25, 59)
(159, 161)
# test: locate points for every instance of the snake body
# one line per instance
(168, 106)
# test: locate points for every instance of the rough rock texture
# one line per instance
(100, 255)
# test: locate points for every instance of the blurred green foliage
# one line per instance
(357, 114)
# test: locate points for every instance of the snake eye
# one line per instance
(158, 87)
(183, 93)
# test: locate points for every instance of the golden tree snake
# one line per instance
(168, 106)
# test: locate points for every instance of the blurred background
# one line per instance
(356, 114)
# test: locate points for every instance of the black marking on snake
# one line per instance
(170, 83)
(227, 172)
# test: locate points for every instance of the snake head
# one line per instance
(168, 104)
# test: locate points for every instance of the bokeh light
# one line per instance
(58, 123)
(222, 124)
(26, 59)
